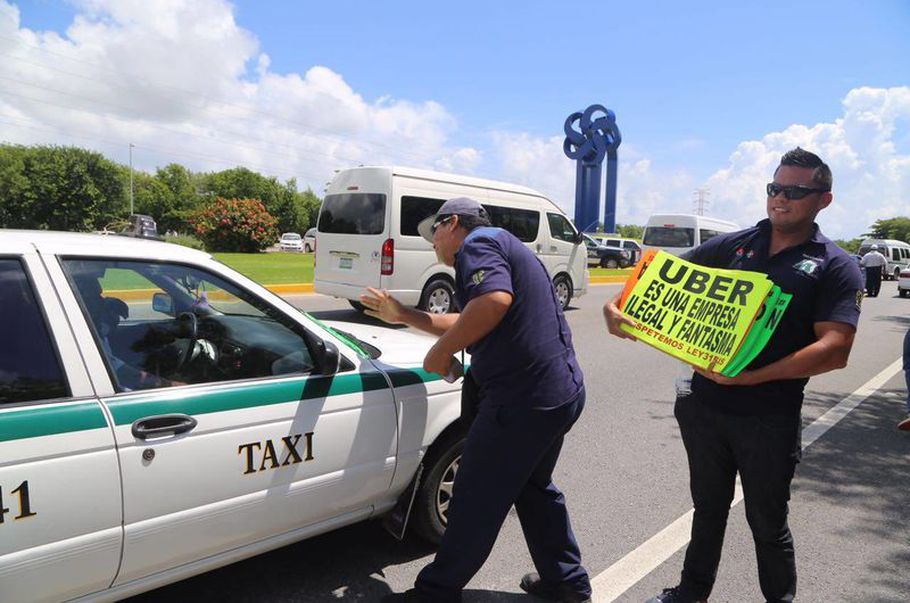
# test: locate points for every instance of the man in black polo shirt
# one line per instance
(531, 392)
(751, 423)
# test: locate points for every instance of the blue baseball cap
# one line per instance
(459, 206)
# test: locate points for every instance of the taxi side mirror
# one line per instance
(162, 302)
(330, 361)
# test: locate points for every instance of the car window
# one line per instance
(29, 365)
(414, 210)
(895, 253)
(613, 242)
(706, 233)
(160, 325)
(353, 213)
(523, 223)
(669, 236)
(630, 245)
(561, 228)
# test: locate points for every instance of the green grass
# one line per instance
(611, 272)
(271, 268)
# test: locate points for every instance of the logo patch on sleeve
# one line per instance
(477, 277)
(859, 299)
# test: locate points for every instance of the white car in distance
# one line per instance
(290, 241)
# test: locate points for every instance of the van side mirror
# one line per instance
(162, 302)
(579, 238)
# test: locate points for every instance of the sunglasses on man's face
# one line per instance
(439, 223)
(791, 192)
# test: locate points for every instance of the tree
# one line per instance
(59, 188)
(891, 228)
(851, 246)
(630, 231)
(241, 183)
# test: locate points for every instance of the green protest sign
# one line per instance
(699, 315)
(760, 332)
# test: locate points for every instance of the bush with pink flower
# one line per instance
(239, 225)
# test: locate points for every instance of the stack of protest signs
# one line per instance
(703, 316)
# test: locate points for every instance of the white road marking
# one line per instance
(625, 573)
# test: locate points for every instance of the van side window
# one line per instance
(706, 234)
(560, 228)
(895, 254)
(414, 210)
(523, 223)
(905, 253)
(29, 366)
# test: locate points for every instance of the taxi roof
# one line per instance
(90, 244)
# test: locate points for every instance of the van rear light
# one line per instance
(387, 263)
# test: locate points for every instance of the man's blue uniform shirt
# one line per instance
(826, 285)
(528, 358)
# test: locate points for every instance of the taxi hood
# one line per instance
(399, 346)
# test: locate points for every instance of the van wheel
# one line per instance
(609, 263)
(563, 287)
(897, 273)
(438, 297)
(307, 248)
(431, 505)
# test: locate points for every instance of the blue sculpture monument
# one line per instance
(597, 137)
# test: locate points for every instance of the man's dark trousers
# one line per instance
(873, 280)
(508, 459)
(765, 450)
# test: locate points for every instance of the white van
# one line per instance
(368, 234)
(896, 252)
(678, 233)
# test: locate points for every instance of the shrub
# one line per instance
(186, 240)
(241, 225)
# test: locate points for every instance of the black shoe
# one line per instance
(408, 596)
(675, 595)
(562, 592)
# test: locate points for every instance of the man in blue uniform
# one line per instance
(531, 392)
(751, 423)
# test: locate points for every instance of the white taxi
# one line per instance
(162, 415)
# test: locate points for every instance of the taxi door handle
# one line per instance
(162, 425)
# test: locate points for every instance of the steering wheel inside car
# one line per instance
(188, 330)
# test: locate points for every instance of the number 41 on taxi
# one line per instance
(25, 506)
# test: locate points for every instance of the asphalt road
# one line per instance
(624, 473)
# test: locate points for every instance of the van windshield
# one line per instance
(353, 213)
(666, 236)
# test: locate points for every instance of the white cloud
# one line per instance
(871, 176)
(185, 83)
(181, 80)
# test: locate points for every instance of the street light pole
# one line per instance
(131, 178)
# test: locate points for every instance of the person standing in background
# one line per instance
(873, 262)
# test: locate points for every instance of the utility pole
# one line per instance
(701, 200)
(131, 178)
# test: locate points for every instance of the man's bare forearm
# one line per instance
(435, 324)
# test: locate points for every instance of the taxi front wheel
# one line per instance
(431, 504)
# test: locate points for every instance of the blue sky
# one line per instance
(706, 94)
